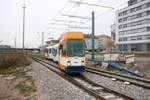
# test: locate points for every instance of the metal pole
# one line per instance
(24, 7)
(93, 32)
(15, 42)
(42, 39)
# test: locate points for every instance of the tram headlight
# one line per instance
(68, 63)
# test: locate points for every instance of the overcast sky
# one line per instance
(41, 14)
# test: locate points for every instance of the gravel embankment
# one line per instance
(131, 90)
(53, 87)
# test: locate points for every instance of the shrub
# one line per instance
(12, 59)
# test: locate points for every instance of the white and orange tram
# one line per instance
(69, 52)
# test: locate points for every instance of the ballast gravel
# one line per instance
(138, 93)
(53, 87)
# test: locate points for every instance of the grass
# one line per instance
(27, 86)
(38, 54)
(14, 63)
(25, 89)
(12, 59)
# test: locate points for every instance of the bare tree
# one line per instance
(109, 45)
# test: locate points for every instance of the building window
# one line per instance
(138, 8)
(128, 18)
(120, 26)
(148, 37)
(124, 12)
(136, 47)
(134, 31)
(148, 4)
(132, 10)
(148, 12)
(120, 20)
(120, 14)
(138, 30)
(128, 11)
(148, 47)
(125, 39)
(139, 23)
(132, 2)
(133, 39)
(148, 28)
(125, 19)
(141, 30)
(125, 25)
(120, 39)
(132, 17)
(144, 6)
(147, 21)
(141, 0)
(139, 15)
(133, 24)
(139, 38)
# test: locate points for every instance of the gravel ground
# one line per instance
(131, 90)
(53, 87)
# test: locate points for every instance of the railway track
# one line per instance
(133, 80)
(93, 89)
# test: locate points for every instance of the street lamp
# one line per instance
(24, 7)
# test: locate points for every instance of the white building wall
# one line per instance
(134, 27)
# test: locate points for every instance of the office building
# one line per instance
(133, 26)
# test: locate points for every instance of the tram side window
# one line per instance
(49, 50)
(58, 51)
(54, 52)
(64, 51)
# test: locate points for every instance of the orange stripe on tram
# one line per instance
(62, 67)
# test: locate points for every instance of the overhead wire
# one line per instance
(62, 9)
(78, 7)
(105, 12)
(75, 5)
(88, 8)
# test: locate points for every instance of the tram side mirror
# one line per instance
(60, 47)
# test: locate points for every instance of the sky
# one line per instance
(41, 16)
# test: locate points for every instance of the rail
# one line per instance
(95, 90)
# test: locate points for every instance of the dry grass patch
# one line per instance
(12, 65)
(12, 59)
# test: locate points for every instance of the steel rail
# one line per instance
(136, 81)
(89, 91)
(69, 79)
(112, 73)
